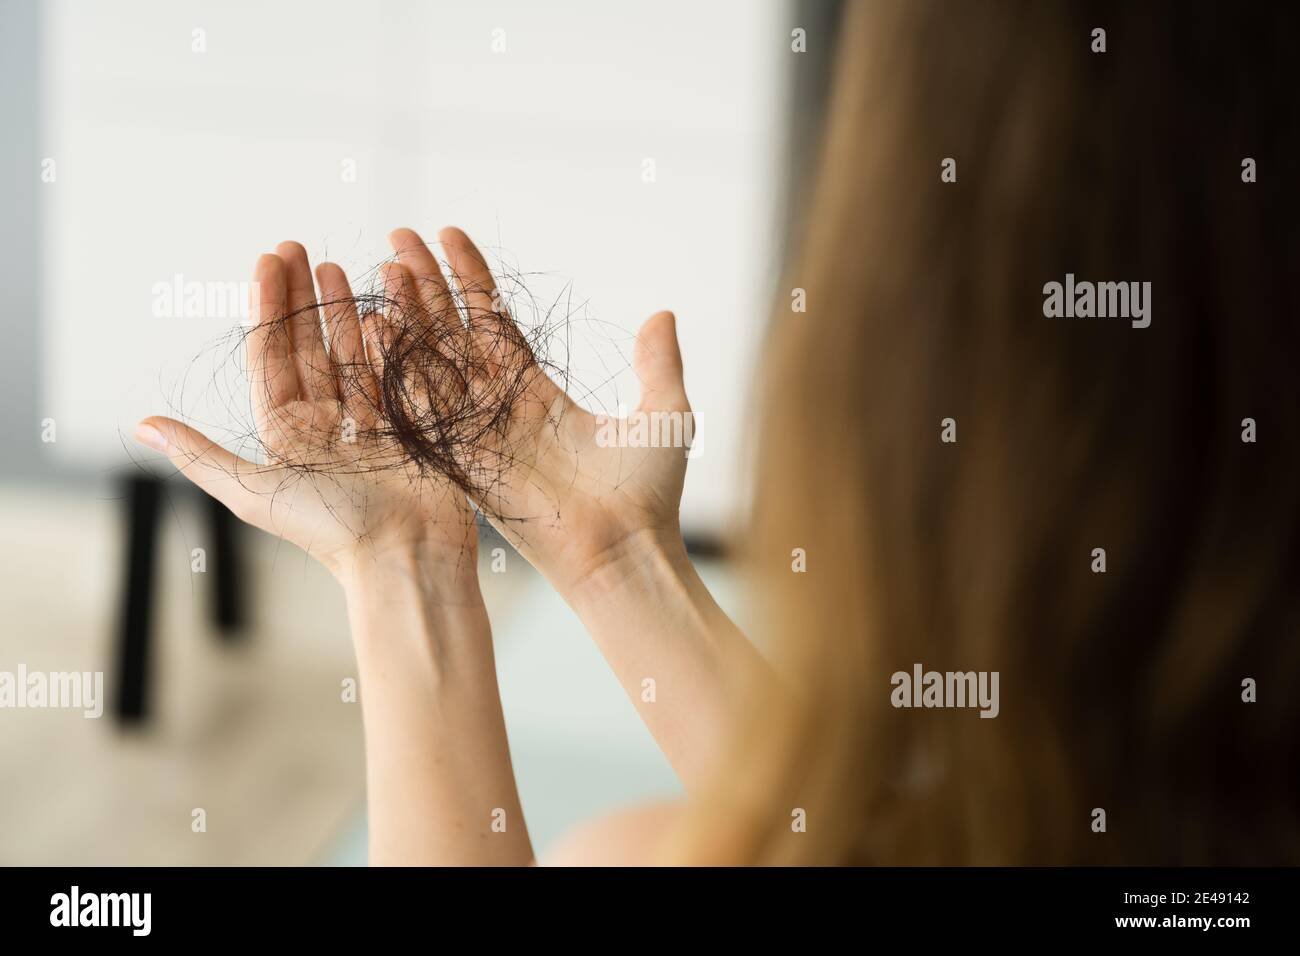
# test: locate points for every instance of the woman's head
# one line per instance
(952, 460)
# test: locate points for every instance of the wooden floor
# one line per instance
(256, 735)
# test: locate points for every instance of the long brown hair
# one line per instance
(1123, 690)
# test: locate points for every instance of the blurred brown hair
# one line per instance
(1121, 690)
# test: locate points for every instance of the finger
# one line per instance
(427, 374)
(496, 339)
(273, 377)
(375, 336)
(395, 279)
(315, 378)
(469, 270)
(426, 274)
(245, 488)
(379, 331)
(343, 332)
(657, 361)
(392, 394)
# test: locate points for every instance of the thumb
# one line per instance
(657, 360)
(239, 484)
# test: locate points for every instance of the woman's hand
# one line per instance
(598, 517)
(440, 788)
(570, 500)
(334, 484)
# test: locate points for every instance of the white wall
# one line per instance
(173, 161)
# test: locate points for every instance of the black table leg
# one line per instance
(228, 602)
(142, 498)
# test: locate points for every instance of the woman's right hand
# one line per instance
(568, 499)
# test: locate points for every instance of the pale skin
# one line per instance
(600, 523)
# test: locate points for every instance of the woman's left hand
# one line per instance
(334, 483)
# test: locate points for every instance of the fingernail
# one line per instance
(148, 435)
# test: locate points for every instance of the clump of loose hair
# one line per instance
(440, 387)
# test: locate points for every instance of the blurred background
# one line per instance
(622, 158)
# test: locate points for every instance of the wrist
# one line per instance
(648, 560)
(409, 571)
(415, 618)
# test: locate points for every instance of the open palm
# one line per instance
(334, 481)
(553, 483)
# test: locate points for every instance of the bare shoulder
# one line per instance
(629, 837)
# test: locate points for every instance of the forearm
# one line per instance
(676, 653)
(440, 787)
